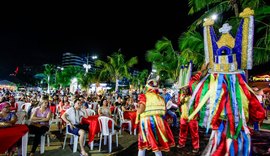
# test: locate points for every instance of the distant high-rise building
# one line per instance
(70, 59)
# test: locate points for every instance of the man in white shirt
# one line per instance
(72, 117)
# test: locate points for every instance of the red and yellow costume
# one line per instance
(192, 125)
(154, 132)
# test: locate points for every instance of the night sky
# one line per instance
(34, 34)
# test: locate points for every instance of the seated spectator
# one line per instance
(7, 119)
(13, 104)
(104, 110)
(72, 117)
(39, 122)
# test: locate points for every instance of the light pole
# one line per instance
(87, 66)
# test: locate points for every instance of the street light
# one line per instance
(87, 66)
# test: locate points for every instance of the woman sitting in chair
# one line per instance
(104, 110)
(7, 119)
(40, 122)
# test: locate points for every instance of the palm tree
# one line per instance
(115, 68)
(164, 59)
(65, 76)
(86, 79)
(140, 79)
(49, 70)
(192, 48)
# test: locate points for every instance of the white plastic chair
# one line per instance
(90, 112)
(73, 140)
(105, 131)
(122, 121)
(21, 115)
(115, 114)
(58, 122)
(42, 141)
(25, 106)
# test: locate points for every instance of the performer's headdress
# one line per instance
(227, 53)
(152, 81)
(184, 75)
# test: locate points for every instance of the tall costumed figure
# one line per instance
(223, 99)
(154, 133)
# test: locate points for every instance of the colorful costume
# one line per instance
(191, 125)
(154, 133)
(225, 101)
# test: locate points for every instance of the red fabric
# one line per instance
(142, 98)
(156, 144)
(194, 80)
(10, 135)
(14, 107)
(256, 111)
(112, 109)
(93, 126)
(132, 116)
(221, 149)
(53, 109)
(191, 126)
(216, 121)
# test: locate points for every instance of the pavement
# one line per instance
(128, 145)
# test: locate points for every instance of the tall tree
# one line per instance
(116, 67)
(49, 71)
(164, 59)
(65, 76)
(191, 46)
(140, 79)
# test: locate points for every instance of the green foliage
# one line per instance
(115, 68)
(164, 59)
(64, 77)
(192, 48)
(140, 79)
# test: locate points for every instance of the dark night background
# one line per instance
(35, 34)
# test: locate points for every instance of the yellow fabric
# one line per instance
(210, 48)
(155, 105)
(246, 13)
(245, 103)
(161, 128)
(184, 110)
(244, 43)
(226, 40)
(214, 83)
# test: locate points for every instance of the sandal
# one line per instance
(195, 150)
(83, 154)
(180, 146)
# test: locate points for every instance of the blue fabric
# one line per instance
(166, 97)
(256, 126)
(74, 131)
(174, 116)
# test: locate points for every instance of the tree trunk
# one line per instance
(235, 7)
(48, 90)
(116, 85)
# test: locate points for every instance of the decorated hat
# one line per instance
(227, 53)
(152, 81)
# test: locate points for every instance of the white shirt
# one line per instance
(74, 116)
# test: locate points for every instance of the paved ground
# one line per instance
(128, 145)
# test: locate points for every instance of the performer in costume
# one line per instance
(225, 101)
(191, 125)
(154, 133)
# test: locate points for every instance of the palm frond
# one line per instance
(218, 9)
(198, 5)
